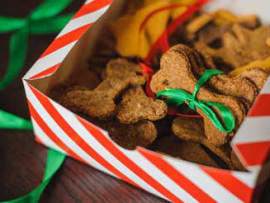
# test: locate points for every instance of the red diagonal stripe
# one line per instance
(128, 162)
(45, 128)
(261, 106)
(66, 39)
(231, 183)
(38, 140)
(45, 72)
(255, 153)
(173, 25)
(92, 7)
(176, 176)
(76, 137)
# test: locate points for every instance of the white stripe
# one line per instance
(93, 143)
(58, 55)
(253, 129)
(202, 180)
(88, 1)
(83, 20)
(50, 60)
(247, 178)
(159, 176)
(266, 87)
(60, 133)
(44, 138)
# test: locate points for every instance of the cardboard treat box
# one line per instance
(169, 178)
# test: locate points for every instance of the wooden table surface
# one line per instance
(22, 160)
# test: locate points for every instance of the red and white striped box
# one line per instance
(169, 178)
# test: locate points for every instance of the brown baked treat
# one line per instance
(257, 75)
(211, 33)
(177, 72)
(188, 151)
(136, 106)
(94, 104)
(120, 74)
(239, 87)
(241, 46)
(142, 133)
(210, 27)
(191, 129)
(99, 103)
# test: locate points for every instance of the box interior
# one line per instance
(77, 59)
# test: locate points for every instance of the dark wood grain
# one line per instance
(22, 160)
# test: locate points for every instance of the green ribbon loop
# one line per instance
(42, 20)
(10, 24)
(48, 9)
(177, 97)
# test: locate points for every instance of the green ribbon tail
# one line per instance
(8, 24)
(18, 51)
(49, 8)
(45, 26)
(10, 121)
(55, 160)
(226, 117)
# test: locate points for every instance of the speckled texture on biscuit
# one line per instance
(130, 136)
(241, 46)
(91, 103)
(136, 106)
(188, 151)
(99, 103)
(257, 75)
(192, 129)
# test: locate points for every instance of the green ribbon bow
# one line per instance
(42, 20)
(178, 97)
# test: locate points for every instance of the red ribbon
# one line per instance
(162, 44)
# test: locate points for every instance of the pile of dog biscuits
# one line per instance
(119, 104)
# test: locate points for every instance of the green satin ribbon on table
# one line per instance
(54, 159)
(177, 97)
(42, 20)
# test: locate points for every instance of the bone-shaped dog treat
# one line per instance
(191, 129)
(188, 151)
(136, 106)
(142, 133)
(239, 87)
(241, 46)
(176, 72)
(99, 103)
(257, 75)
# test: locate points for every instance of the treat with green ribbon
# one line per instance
(177, 97)
(42, 20)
